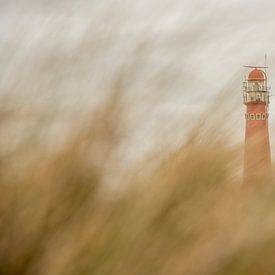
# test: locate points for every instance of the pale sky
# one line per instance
(174, 57)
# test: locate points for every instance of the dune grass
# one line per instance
(188, 214)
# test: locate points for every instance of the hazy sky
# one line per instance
(173, 58)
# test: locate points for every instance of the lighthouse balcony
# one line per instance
(255, 87)
(256, 97)
(264, 89)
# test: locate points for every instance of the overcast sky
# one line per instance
(173, 58)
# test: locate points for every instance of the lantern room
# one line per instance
(255, 88)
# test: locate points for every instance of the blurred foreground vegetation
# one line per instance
(186, 213)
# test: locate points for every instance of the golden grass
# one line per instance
(188, 214)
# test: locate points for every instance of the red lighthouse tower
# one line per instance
(257, 160)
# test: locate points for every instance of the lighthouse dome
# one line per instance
(256, 74)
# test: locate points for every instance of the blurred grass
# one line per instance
(188, 214)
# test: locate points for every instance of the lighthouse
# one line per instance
(257, 160)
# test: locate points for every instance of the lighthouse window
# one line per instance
(263, 117)
(258, 116)
(252, 116)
